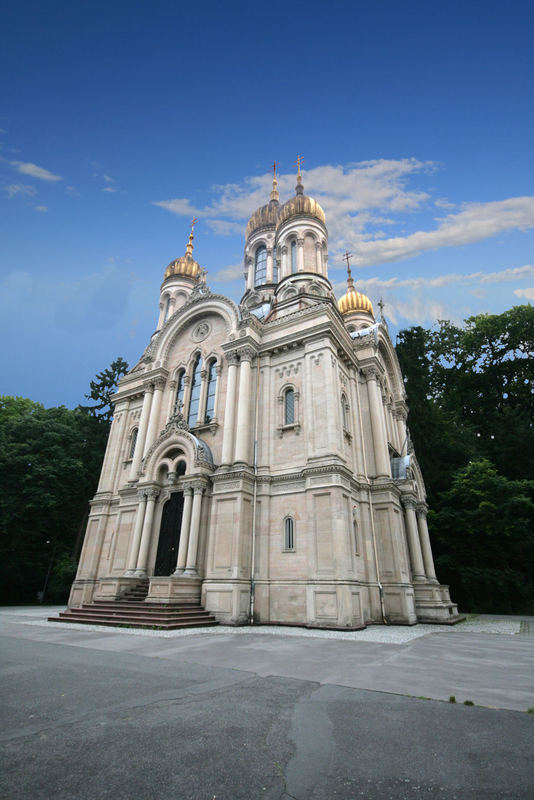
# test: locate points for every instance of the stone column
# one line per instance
(136, 541)
(242, 454)
(218, 373)
(426, 547)
(152, 496)
(172, 391)
(192, 550)
(153, 425)
(318, 258)
(418, 569)
(249, 264)
(357, 440)
(375, 405)
(401, 428)
(170, 308)
(229, 413)
(202, 399)
(300, 255)
(266, 428)
(141, 435)
(269, 275)
(184, 529)
(283, 263)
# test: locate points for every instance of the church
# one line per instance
(258, 463)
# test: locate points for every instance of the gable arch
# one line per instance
(194, 451)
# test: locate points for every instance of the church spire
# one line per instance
(275, 196)
(299, 187)
(189, 246)
(350, 279)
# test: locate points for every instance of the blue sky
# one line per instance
(121, 119)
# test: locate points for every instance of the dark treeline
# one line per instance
(50, 461)
(471, 397)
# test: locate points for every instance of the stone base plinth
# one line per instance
(112, 588)
(173, 589)
(434, 605)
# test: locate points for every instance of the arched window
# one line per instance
(293, 255)
(344, 415)
(289, 407)
(180, 388)
(289, 533)
(133, 442)
(195, 393)
(181, 468)
(260, 270)
(275, 267)
(167, 305)
(210, 395)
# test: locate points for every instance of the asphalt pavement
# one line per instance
(104, 714)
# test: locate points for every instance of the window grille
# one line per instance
(260, 272)
(289, 534)
(289, 407)
(195, 393)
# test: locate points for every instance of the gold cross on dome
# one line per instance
(347, 257)
(298, 162)
(193, 223)
(275, 164)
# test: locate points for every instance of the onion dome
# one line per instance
(353, 301)
(301, 204)
(186, 264)
(266, 216)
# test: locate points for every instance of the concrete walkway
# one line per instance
(238, 715)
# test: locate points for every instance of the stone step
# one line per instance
(121, 604)
(125, 624)
(149, 619)
(138, 614)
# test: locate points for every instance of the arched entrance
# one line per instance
(169, 535)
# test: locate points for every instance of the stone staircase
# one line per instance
(131, 611)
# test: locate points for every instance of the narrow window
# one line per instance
(133, 442)
(275, 267)
(179, 401)
(289, 534)
(195, 393)
(260, 272)
(293, 256)
(344, 416)
(167, 304)
(289, 407)
(355, 535)
(210, 397)
(181, 468)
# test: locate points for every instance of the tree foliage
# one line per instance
(50, 461)
(471, 396)
(102, 388)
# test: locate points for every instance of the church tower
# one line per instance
(258, 461)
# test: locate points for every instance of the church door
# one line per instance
(169, 535)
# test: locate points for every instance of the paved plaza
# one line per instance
(239, 714)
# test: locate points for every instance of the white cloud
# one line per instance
(528, 294)
(439, 281)
(41, 209)
(27, 168)
(180, 206)
(475, 222)
(20, 189)
(107, 178)
(442, 202)
(108, 189)
(229, 273)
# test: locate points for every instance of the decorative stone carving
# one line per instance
(247, 353)
(232, 357)
(201, 332)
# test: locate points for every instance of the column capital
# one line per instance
(199, 486)
(188, 487)
(231, 357)
(408, 501)
(148, 387)
(370, 373)
(173, 385)
(300, 241)
(203, 374)
(141, 495)
(218, 369)
(318, 246)
(159, 383)
(283, 250)
(247, 353)
(152, 494)
(421, 509)
(269, 251)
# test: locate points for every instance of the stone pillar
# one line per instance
(300, 255)
(357, 441)
(184, 530)
(136, 541)
(375, 405)
(141, 435)
(173, 385)
(249, 264)
(202, 399)
(426, 547)
(269, 275)
(229, 413)
(170, 308)
(283, 263)
(418, 569)
(401, 427)
(318, 258)
(152, 496)
(153, 425)
(187, 395)
(266, 428)
(161, 318)
(218, 372)
(242, 446)
(192, 550)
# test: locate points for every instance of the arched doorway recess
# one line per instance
(169, 535)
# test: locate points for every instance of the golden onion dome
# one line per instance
(354, 301)
(266, 216)
(298, 205)
(186, 264)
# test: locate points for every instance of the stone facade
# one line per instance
(258, 456)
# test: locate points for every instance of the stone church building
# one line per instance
(259, 461)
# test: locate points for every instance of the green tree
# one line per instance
(103, 387)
